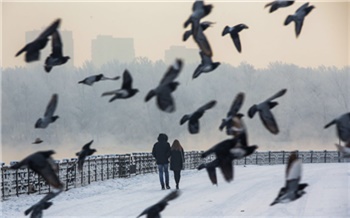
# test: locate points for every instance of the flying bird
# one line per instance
(233, 31)
(154, 210)
(126, 90)
(37, 141)
(193, 119)
(48, 116)
(293, 189)
(278, 4)
(166, 86)
(224, 156)
(37, 209)
(342, 124)
(299, 16)
(204, 26)
(33, 48)
(264, 109)
(206, 66)
(199, 10)
(42, 163)
(56, 57)
(211, 169)
(85, 151)
(232, 115)
(95, 78)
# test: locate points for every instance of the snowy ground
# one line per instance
(249, 195)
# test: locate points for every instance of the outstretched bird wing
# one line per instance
(127, 80)
(277, 95)
(172, 72)
(236, 104)
(51, 107)
(56, 45)
(268, 120)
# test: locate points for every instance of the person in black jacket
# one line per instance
(161, 152)
(177, 159)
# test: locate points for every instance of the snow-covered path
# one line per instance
(249, 195)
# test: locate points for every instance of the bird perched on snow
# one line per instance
(95, 78)
(278, 4)
(42, 163)
(166, 86)
(299, 16)
(37, 141)
(233, 31)
(206, 65)
(193, 119)
(85, 151)
(230, 122)
(199, 10)
(204, 26)
(48, 116)
(264, 109)
(293, 189)
(154, 210)
(37, 209)
(33, 48)
(126, 90)
(56, 57)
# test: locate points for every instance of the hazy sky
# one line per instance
(155, 26)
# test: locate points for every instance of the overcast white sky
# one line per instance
(157, 25)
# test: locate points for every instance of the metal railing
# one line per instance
(99, 168)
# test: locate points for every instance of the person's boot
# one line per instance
(163, 188)
(167, 186)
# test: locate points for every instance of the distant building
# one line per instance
(108, 48)
(67, 41)
(190, 55)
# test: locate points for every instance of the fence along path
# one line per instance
(99, 168)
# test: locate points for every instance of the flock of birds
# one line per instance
(236, 147)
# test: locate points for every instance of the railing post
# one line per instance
(17, 183)
(283, 155)
(269, 157)
(312, 155)
(89, 171)
(325, 156)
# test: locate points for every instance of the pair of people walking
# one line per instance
(162, 152)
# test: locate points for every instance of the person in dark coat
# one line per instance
(161, 152)
(177, 159)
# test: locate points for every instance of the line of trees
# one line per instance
(314, 97)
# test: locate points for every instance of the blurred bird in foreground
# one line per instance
(33, 48)
(293, 189)
(166, 86)
(42, 163)
(154, 210)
